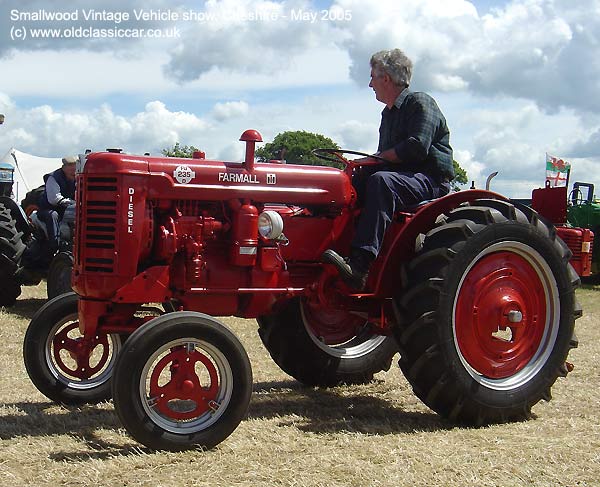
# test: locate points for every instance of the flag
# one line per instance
(557, 171)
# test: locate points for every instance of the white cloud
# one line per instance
(82, 74)
(236, 43)
(85, 74)
(512, 138)
(475, 170)
(230, 109)
(587, 146)
(360, 136)
(543, 50)
(45, 131)
(513, 83)
(232, 152)
(586, 170)
(5, 102)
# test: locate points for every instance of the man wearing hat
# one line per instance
(59, 193)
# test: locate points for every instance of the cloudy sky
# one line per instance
(515, 79)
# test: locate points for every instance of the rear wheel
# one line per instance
(61, 364)
(11, 254)
(30, 202)
(488, 314)
(59, 274)
(325, 346)
(183, 380)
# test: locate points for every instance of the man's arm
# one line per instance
(389, 155)
(55, 198)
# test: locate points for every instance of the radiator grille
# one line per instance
(580, 242)
(574, 243)
(100, 221)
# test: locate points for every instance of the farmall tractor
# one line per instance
(475, 293)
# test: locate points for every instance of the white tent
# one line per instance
(29, 170)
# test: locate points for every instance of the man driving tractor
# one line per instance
(415, 141)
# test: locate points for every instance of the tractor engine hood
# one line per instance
(209, 180)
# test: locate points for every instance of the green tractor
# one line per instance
(584, 211)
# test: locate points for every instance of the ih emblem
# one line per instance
(271, 178)
(183, 174)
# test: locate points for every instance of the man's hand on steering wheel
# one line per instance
(337, 155)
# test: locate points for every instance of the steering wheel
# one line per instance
(337, 155)
(576, 197)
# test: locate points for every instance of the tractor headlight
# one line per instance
(270, 225)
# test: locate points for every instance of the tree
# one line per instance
(185, 151)
(460, 176)
(296, 148)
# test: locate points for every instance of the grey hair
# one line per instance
(395, 64)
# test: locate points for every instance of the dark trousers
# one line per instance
(384, 193)
(50, 219)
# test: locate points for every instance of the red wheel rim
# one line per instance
(501, 314)
(332, 326)
(184, 384)
(80, 351)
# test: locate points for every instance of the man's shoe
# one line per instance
(353, 271)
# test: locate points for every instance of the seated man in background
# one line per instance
(59, 193)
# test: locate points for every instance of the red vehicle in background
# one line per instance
(551, 203)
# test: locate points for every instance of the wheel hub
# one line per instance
(500, 315)
(332, 326)
(176, 388)
(84, 362)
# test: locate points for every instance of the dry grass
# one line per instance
(375, 435)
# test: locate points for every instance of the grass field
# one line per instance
(373, 435)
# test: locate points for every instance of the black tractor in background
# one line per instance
(26, 255)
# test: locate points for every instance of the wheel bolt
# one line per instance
(515, 316)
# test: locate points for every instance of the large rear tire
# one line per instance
(487, 313)
(30, 202)
(11, 254)
(183, 380)
(325, 347)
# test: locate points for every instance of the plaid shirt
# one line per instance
(416, 128)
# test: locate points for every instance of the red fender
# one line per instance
(399, 244)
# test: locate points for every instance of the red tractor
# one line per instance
(475, 293)
(552, 204)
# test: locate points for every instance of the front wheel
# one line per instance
(183, 380)
(488, 312)
(60, 362)
(322, 346)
